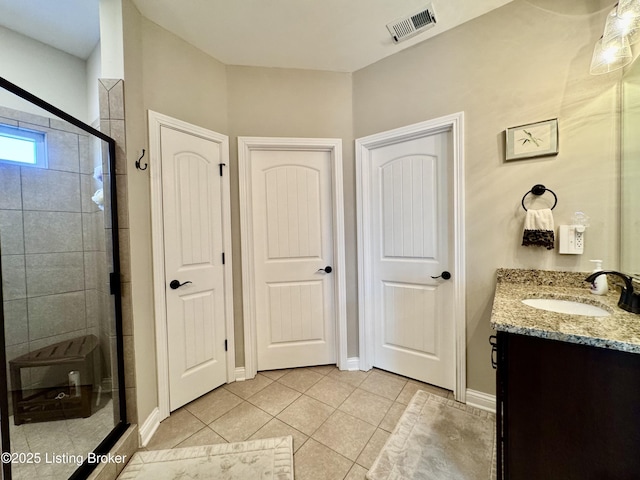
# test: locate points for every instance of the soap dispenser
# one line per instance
(599, 285)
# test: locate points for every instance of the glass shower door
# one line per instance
(60, 300)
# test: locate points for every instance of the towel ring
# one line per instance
(539, 189)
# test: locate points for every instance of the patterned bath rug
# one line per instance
(438, 439)
(267, 459)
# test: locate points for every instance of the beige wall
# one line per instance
(274, 102)
(51, 74)
(165, 74)
(515, 65)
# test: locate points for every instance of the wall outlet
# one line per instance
(571, 239)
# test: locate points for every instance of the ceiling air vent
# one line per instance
(413, 24)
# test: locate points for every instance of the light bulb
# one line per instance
(610, 55)
(628, 8)
(624, 23)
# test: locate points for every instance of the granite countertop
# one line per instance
(619, 331)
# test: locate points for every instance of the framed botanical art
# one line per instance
(532, 140)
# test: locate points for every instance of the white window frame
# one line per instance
(38, 138)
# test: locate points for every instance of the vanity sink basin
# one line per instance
(566, 306)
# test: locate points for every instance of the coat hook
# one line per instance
(138, 162)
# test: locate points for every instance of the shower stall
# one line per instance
(62, 388)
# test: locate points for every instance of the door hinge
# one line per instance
(223, 258)
(225, 345)
(221, 166)
(114, 283)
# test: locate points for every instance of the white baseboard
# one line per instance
(353, 363)
(149, 427)
(241, 374)
(481, 400)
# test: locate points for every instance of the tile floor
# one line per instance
(339, 420)
(73, 437)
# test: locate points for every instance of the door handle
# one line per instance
(493, 340)
(326, 269)
(176, 284)
(445, 275)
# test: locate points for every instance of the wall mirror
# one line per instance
(630, 171)
(62, 390)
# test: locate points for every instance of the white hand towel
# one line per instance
(539, 228)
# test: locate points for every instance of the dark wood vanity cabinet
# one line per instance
(566, 411)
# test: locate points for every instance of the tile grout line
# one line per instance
(336, 409)
(327, 374)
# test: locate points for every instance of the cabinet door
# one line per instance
(570, 411)
(498, 347)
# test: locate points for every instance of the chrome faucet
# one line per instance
(629, 300)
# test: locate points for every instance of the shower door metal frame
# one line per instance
(110, 440)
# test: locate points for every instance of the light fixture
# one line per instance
(623, 23)
(610, 55)
(621, 29)
(626, 8)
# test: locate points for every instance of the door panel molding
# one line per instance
(245, 146)
(364, 148)
(156, 122)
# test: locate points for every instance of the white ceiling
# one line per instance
(334, 35)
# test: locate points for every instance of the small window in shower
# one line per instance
(24, 147)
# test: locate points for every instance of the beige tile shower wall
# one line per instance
(111, 97)
(51, 243)
(516, 65)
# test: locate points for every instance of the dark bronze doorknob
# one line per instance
(326, 269)
(176, 284)
(445, 275)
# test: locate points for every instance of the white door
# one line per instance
(410, 245)
(293, 266)
(194, 269)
